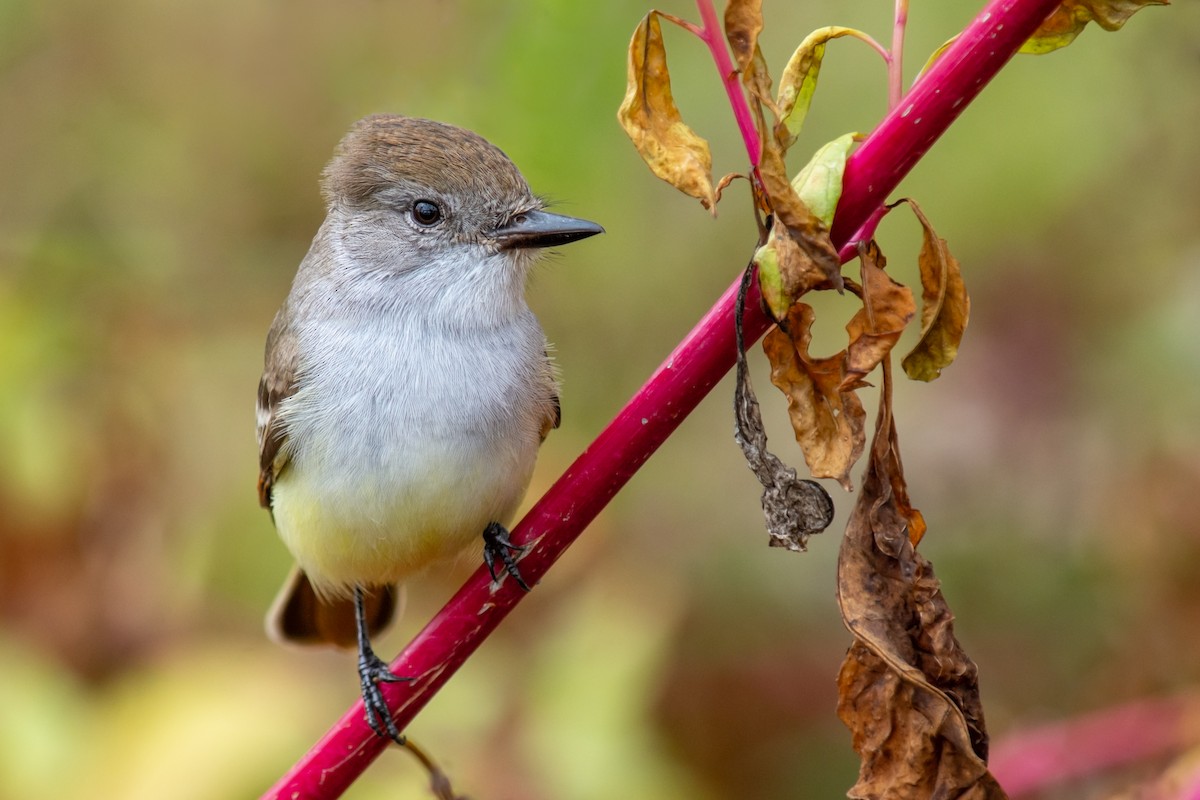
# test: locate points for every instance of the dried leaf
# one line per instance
(649, 116)
(819, 183)
(876, 327)
(1072, 16)
(785, 271)
(796, 222)
(799, 81)
(743, 24)
(827, 418)
(945, 307)
(794, 509)
(907, 691)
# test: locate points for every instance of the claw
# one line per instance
(372, 671)
(496, 544)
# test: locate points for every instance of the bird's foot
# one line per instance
(497, 545)
(372, 671)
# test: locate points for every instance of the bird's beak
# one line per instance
(543, 229)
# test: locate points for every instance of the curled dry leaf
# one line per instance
(794, 508)
(827, 417)
(876, 327)
(1072, 16)
(945, 306)
(796, 222)
(649, 116)
(743, 24)
(907, 691)
(785, 271)
(799, 81)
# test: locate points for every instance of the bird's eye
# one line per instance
(426, 212)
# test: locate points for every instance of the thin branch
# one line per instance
(896, 57)
(715, 39)
(675, 389)
(690, 27)
(876, 46)
(931, 106)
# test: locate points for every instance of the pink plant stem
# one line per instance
(671, 393)
(896, 56)
(715, 39)
(1034, 761)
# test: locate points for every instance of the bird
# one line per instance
(407, 385)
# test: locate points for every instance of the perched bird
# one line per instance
(406, 386)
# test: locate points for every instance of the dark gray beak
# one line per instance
(543, 229)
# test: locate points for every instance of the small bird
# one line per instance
(407, 385)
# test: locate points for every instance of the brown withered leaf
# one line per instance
(876, 327)
(1072, 16)
(827, 417)
(802, 226)
(743, 24)
(649, 116)
(945, 306)
(907, 691)
(785, 271)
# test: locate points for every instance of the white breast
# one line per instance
(406, 440)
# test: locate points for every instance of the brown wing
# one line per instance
(278, 383)
(554, 417)
(301, 616)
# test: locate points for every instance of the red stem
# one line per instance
(713, 36)
(670, 394)
(1036, 760)
(896, 56)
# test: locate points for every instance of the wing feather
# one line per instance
(277, 384)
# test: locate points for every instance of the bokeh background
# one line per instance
(159, 164)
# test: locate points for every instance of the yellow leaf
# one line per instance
(649, 116)
(799, 81)
(1071, 16)
(945, 307)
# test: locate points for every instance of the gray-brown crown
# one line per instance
(386, 150)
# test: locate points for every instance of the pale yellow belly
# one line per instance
(380, 529)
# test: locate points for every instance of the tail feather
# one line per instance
(301, 616)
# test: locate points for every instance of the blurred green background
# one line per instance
(160, 163)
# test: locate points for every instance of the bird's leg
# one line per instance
(496, 544)
(371, 672)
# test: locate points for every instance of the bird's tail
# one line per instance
(300, 615)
